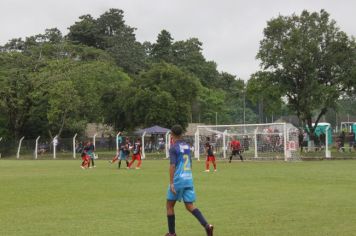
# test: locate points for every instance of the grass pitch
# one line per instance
(57, 197)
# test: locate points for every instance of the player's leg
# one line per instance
(132, 161)
(171, 201)
(189, 198)
(199, 216)
(114, 159)
(171, 217)
(86, 163)
(119, 165)
(239, 152)
(214, 162)
(230, 158)
(207, 165)
(139, 161)
(83, 162)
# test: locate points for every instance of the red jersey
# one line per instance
(235, 145)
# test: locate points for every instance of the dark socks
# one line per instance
(171, 224)
(127, 163)
(230, 158)
(119, 164)
(200, 217)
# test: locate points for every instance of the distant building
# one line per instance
(101, 130)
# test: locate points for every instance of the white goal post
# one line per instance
(269, 141)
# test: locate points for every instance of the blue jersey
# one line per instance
(179, 155)
(119, 140)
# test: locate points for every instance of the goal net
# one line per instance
(270, 141)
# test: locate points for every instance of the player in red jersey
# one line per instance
(236, 149)
(85, 157)
(209, 155)
(137, 148)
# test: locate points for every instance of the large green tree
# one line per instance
(169, 87)
(162, 50)
(71, 92)
(310, 61)
(16, 88)
(267, 98)
(49, 86)
(109, 32)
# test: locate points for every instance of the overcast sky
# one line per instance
(230, 30)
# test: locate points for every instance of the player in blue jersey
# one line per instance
(181, 182)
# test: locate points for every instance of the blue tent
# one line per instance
(153, 130)
(354, 129)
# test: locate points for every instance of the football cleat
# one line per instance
(209, 230)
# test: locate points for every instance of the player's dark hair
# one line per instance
(177, 130)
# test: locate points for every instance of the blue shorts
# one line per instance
(123, 158)
(187, 194)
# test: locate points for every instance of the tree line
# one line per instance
(99, 72)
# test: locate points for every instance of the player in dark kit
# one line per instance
(181, 182)
(209, 155)
(136, 154)
(235, 146)
(124, 154)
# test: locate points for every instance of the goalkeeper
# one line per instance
(236, 149)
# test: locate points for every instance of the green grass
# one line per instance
(56, 197)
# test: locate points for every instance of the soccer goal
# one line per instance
(270, 141)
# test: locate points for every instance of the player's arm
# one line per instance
(172, 169)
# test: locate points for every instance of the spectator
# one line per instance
(102, 141)
(111, 142)
(342, 141)
(322, 138)
(351, 140)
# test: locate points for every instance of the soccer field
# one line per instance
(57, 197)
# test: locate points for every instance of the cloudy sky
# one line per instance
(230, 30)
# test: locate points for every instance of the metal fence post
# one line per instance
(74, 151)
(36, 147)
(256, 149)
(197, 145)
(94, 139)
(327, 151)
(224, 144)
(0, 141)
(143, 145)
(168, 143)
(19, 148)
(55, 142)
